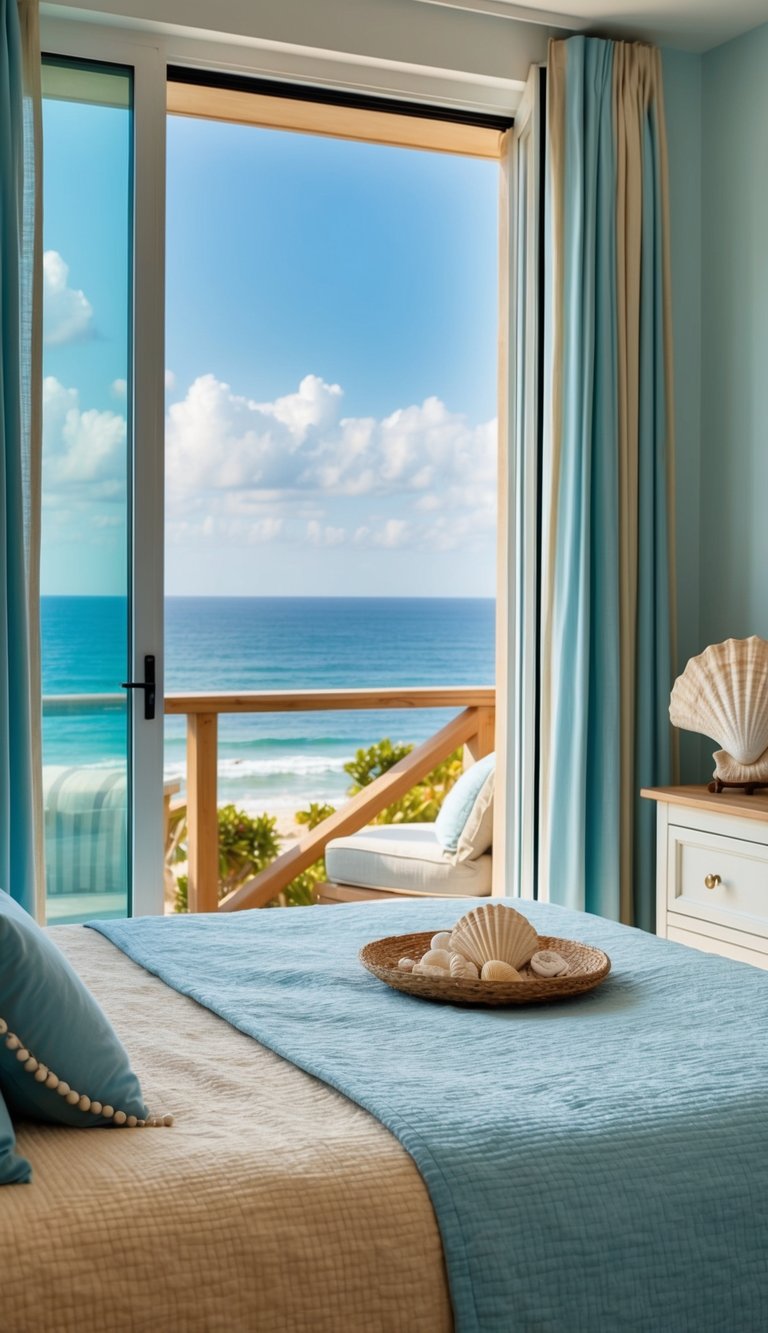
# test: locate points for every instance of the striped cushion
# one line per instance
(86, 829)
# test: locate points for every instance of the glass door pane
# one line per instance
(87, 187)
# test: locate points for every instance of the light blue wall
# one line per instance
(717, 124)
(682, 96)
(734, 444)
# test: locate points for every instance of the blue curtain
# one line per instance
(606, 567)
(19, 702)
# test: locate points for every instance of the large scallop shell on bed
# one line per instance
(494, 931)
(723, 693)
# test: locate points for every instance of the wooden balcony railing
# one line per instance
(473, 728)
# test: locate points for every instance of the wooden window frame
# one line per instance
(309, 112)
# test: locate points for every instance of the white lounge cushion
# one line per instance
(405, 856)
(459, 801)
(477, 834)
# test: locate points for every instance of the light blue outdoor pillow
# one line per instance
(13, 1168)
(55, 1041)
(457, 806)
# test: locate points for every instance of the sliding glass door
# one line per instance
(95, 725)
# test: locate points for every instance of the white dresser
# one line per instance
(712, 871)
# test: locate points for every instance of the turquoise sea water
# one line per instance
(280, 761)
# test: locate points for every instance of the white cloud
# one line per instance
(83, 450)
(393, 533)
(170, 380)
(315, 406)
(67, 312)
(120, 389)
(217, 440)
(222, 441)
(243, 473)
(292, 468)
(223, 529)
(324, 534)
(265, 530)
(414, 449)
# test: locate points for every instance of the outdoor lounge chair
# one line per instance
(450, 858)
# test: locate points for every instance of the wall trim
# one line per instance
(483, 94)
(507, 9)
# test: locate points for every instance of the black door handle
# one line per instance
(147, 685)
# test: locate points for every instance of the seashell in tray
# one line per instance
(547, 963)
(442, 940)
(495, 970)
(437, 958)
(723, 693)
(423, 969)
(462, 968)
(494, 932)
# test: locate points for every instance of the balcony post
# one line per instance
(484, 740)
(202, 818)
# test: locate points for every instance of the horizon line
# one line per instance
(291, 596)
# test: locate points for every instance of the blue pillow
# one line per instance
(457, 806)
(13, 1168)
(60, 1059)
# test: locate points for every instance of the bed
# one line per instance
(273, 1203)
(590, 1165)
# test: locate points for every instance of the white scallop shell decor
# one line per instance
(723, 694)
(494, 932)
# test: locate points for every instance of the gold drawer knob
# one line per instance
(712, 881)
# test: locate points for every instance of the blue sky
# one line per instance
(356, 262)
(85, 362)
(331, 354)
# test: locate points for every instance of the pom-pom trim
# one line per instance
(42, 1074)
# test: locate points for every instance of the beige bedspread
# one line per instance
(273, 1202)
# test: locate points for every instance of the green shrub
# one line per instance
(314, 814)
(247, 843)
(368, 765)
(301, 890)
(421, 804)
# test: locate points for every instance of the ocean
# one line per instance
(277, 762)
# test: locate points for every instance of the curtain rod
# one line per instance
(207, 78)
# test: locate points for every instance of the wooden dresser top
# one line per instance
(730, 802)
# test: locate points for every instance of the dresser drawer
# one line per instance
(714, 944)
(737, 870)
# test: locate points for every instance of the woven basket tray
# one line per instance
(588, 967)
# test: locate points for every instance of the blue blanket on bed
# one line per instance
(600, 1164)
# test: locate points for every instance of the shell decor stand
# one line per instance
(749, 788)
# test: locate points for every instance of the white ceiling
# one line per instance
(694, 25)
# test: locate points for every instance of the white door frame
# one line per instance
(514, 834)
(149, 51)
(147, 411)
